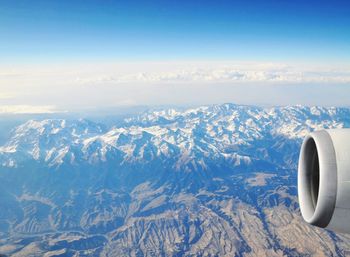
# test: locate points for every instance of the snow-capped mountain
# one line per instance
(220, 132)
(210, 181)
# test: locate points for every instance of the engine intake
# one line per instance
(324, 179)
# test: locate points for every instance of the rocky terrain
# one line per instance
(210, 181)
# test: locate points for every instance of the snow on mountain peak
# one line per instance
(199, 135)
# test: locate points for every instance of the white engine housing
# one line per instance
(324, 179)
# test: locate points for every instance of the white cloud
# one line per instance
(6, 95)
(27, 109)
(75, 86)
(267, 73)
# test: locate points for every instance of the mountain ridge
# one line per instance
(170, 132)
(210, 181)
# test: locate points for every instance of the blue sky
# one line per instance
(33, 31)
(108, 53)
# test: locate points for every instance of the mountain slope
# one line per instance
(211, 181)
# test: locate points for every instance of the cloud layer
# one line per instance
(71, 86)
(27, 109)
(228, 74)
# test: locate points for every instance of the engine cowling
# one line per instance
(324, 179)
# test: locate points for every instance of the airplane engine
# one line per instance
(324, 179)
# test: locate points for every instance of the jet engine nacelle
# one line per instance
(324, 179)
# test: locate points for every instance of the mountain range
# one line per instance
(215, 180)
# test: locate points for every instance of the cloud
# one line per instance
(226, 74)
(6, 96)
(10, 74)
(27, 109)
(93, 85)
